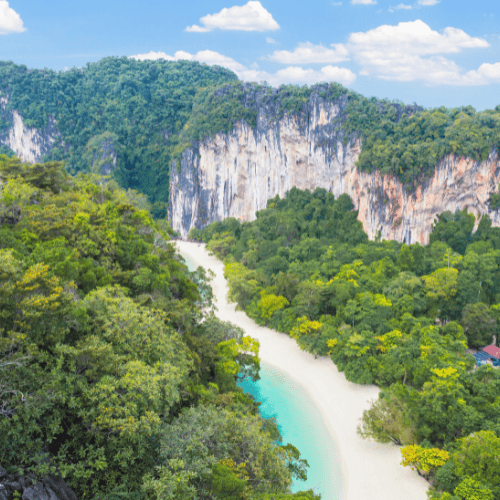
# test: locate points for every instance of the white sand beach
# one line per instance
(370, 471)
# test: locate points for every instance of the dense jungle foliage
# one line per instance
(399, 140)
(410, 147)
(114, 371)
(149, 112)
(136, 107)
(218, 110)
(400, 316)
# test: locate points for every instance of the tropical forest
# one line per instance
(117, 378)
(399, 316)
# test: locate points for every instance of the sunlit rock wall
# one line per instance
(234, 174)
(29, 144)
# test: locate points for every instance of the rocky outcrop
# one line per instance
(101, 151)
(29, 488)
(457, 183)
(234, 174)
(29, 144)
(107, 161)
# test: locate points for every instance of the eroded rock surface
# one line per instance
(234, 174)
(29, 143)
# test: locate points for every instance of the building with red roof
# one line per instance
(492, 350)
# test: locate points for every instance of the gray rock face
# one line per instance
(234, 174)
(31, 488)
(29, 144)
(106, 158)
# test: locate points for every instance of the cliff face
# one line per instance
(233, 175)
(29, 144)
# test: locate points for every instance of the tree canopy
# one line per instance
(114, 371)
(135, 108)
(400, 316)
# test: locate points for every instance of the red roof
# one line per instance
(493, 350)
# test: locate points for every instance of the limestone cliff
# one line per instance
(29, 144)
(234, 174)
(32, 144)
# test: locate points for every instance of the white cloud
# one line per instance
(307, 53)
(204, 56)
(363, 2)
(340, 75)
(270, 40)
(336, 4)
(250, 17)
(152, 56)
(414, 37)
(428, 2)
(408, 68)
(412, 52)
(197, 29)
(300, 76)
(10, 20)
(399, 7)
(485, 74)
(292, 74)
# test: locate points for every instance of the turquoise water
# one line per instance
(191, 265)
(300, 424)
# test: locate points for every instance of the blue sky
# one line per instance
(425, 51)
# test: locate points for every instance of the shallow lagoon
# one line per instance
(300, 423)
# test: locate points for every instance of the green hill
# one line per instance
(148, 112)
(137, 107)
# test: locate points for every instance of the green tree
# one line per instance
(389, 419)
(270, 303)
(203, 437)
(470, 489)
(423, 459)
(479, 324)
(478, 456)
(441, 285)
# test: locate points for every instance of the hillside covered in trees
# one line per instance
(400, 316)
(115, 374)
(137, 107)
(149, 112)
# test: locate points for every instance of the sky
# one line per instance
(431, 52)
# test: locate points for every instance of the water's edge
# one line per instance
(300, 424)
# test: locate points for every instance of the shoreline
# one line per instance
(369, 470)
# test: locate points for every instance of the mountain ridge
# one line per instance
(141, 121)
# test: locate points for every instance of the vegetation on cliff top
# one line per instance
(143, 105)
(410, 148)
(114, 372)
(218, 110)
(149, 112)
(399, 140)
(400, 316)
